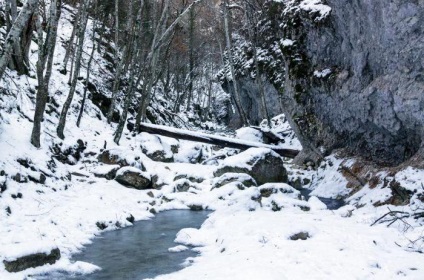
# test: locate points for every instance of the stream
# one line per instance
(140, 251)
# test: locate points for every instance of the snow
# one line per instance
(248, 158)
(249, 134)
(322, 74)
(315, 6)
(243, 238)
(257, 245)
(178, 248)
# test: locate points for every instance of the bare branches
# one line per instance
(393, 216)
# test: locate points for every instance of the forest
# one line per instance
(211, 139)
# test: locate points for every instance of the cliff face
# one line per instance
(249, 91)
(354, 74)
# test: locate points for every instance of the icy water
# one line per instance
(332, 204)
(140, 251)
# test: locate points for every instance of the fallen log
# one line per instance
(212, 139)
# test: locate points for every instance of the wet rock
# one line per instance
(33, 260)
(264, 165)
(195, 207)
(130, 219)
(133, 178)
(101, 225)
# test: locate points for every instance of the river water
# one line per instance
(140, 251)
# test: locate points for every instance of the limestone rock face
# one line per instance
(350, 75)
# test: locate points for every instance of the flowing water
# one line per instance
(140, 251)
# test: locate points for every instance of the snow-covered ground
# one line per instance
(241, 239)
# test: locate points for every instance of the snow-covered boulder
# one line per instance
(156, 148)
(122, 157)
(268, 189)
(183, 185)
(133, 178)
(191, 177)
(227, 178)
(106, 171)
(263, 164)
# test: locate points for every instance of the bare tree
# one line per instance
(13, 37)
(228, 39)
(78, 56)
(45, 55)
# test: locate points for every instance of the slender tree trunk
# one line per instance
(14, 34)
(45, 55)
(119, 63)
(237, 98)
(87, 77)
(191, 58)
(70, 46)
(67, 105)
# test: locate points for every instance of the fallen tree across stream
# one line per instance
(212, 139)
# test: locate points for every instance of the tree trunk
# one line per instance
(45, 55)
(14, 34)
(67, 105)
(237, 99)
(87, 77)
(70, 46)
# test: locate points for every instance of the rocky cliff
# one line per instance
(353, 75)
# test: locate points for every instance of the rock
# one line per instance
(106, 171)
(33, 260)
(157, 182)
(303, 235)
(183, 185)
(69, 154)
(101, 225)
(345, 87)
(263, 164)
(227, 178)
(195, 207)
(154, 148)
(111, 157)
(39, 178)
(18, 177)
(130, 219)
(268, 189)
(191, 178)
(133, 178)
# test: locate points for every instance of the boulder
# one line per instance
(263, 164)
(268, 189)
(32, 260)
(106, 171)
(227, 178)
(111, 157)
(190, 177)
(183, 185)
(133, 178)
(156, 149)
